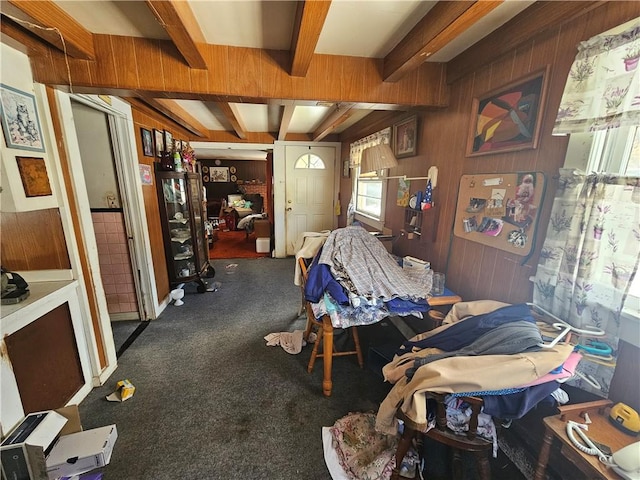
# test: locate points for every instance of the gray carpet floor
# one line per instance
(212, 401)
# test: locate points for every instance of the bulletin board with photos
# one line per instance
(500, 210)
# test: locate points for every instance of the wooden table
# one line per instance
(447, 298)
(600, 430)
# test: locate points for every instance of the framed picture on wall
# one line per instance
(508, 118)
(20, 120)
(405, 137)
(219, 174)
(168, 141)
(158, 140)
(33, 173)
(147, 142)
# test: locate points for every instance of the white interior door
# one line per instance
(309, 191)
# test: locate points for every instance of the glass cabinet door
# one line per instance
(201, 247)
(179, 223)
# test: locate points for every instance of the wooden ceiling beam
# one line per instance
(230, 111)
(309, 20)
(177, 18)
(171, 109)
(56, 23)
(527, 24)
(256, 137)
(150, 69)
(14, 35)
(287, 115)
(441, 25)
(336, 118)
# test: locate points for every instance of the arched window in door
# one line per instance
(311, 161)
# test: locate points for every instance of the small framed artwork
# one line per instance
(33, 173)
(145, 174)
(405, 137)
(345, 169)
(168, 141)
(508, 118)
(20, 120)
(147, 142)
(179, 144)
(158, 140)
(219, 174)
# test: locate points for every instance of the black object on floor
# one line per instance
(127, 343)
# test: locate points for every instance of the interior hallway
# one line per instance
(213, 401)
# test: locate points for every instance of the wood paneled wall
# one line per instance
(473, 270)
(147, 118)
(33, 241)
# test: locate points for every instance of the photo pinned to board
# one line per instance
(490, 226)
(476, 205)
(495, 205)
(521, 210)
(470, 224)
(518, 238)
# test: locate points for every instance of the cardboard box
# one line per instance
(262, 228)
(81, 452)
(23, 451)
(415, 263)
(263, 245)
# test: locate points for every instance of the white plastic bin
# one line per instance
(263, 244)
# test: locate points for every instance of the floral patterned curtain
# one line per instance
(589, 259)
(603, 88)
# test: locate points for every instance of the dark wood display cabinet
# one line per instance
(182, 215)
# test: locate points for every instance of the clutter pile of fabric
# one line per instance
(484, 349)
(356, 281)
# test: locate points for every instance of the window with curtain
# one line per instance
(370, 189)
(587, 274)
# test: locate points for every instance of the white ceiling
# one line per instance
(365, 28)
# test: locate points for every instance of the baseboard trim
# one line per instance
(119, 317)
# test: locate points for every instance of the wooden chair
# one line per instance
(325, 335)
(480, 447)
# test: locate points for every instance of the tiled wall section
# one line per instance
(115, 264)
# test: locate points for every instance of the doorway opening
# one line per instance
(239, 203)
(96, 142)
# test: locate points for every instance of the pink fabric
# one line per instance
(568, 370)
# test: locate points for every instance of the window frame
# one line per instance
(611, 152)
(367, 217)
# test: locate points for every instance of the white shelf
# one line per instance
(44, 297)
